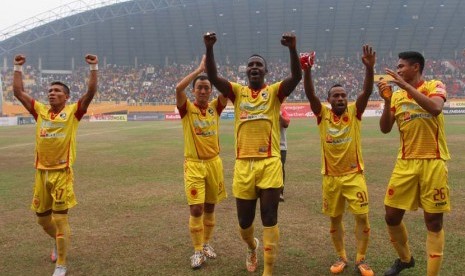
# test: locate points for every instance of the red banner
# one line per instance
(172, 116)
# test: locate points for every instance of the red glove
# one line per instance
(307, 60)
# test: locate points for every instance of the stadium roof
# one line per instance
(160, 32)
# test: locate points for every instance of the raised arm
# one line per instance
(369, 60)
(220, 83)
(85, 100)
(306, 63)
(18, 87)
(432, 105)
(289, 84)
(181, 97)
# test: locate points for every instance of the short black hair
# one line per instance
(413, 57)
(259, 56)
(62, 85)
(199, 77)
(336, 85)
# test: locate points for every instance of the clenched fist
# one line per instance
(91, 59)
(288, 40)
(209, 39)
(19, 60)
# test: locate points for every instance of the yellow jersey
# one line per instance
(422, 135)
(341, 150)
(256, 116)
(55, 136)
(200, 128)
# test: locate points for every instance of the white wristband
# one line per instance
(18, 68)
(93, 67)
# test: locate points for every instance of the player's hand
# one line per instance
(307, 60)
(382, 86)
(91, 59)
(209, 39)
(369, 56)
(19, 60)
(397, 79)
(289, 40)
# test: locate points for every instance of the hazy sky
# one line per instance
(14, 11)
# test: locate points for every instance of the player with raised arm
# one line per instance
(203, 167)
(342, 164)
(55, 153)
(258, 168)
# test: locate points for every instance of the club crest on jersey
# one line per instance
(390, 192)
(36, 202)
(265, 95)
(194, 193)
(210, 111)
(63, 116)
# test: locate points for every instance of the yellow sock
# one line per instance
(248, 236)
(362, 235)
(434, 248)
(62, 237)
(270, 248)
(399, 240)
(48, 224)
(196, 230)
(208, 226)
(337, 236)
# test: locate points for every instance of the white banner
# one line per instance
(8, 121)
(109, 118)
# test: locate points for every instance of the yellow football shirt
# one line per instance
(200, 128)
(55, 136)
(422, 135)
(256, 116)
(341, 151)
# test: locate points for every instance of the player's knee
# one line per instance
(269, 219)
(245, 222)
(361, 219)
(61, 221)
(196, 210)
(44, 221)
(433, 223)
(392, 220)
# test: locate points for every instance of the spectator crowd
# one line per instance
(149, 84)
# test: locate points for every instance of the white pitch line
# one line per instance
(91, 133)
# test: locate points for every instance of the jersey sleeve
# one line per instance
(79, 113)
(235, 88)
(438, 89)
(183, 109)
